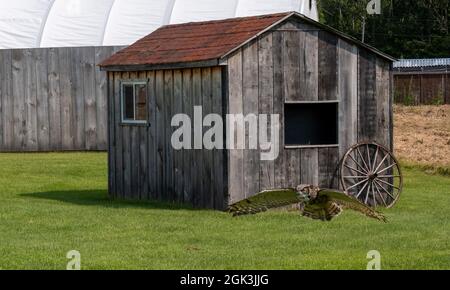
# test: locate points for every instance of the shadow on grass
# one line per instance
(100, 198)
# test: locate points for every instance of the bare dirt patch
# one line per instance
(422, 134)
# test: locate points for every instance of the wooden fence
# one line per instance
(53, 99)
(422, 89)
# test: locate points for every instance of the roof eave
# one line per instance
(165, 66)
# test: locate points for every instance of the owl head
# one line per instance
(308, 191)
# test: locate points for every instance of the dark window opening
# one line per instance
(311, 124)
(134, 103)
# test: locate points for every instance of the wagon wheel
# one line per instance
(371, 174)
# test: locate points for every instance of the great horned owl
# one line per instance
(313, 202)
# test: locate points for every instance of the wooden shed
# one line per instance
(329, 90)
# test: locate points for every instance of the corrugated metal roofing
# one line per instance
(419, 63)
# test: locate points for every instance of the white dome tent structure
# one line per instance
(53, 96)
(74, 23)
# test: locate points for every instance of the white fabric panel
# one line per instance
(309, 10)
(65, 23)
(202, 10)
(260, 7)
(76, 23)
(21, 22)
(131, 20)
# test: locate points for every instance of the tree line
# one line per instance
(404, 29)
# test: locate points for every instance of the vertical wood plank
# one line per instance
(218, 166)
(309, 166)
(119, 161)
(54, 99)
(168, 108)
(2, 87)
(31, 102)
(18, 89)
(78, 106)
(144, 132)
(7, 117)
(278, 104)
(179, 174)
(198, 154)
(127, 161)
(160, 136)
(266, 103)
(42, 102)
(90, 101)
(101, 89)
(67, 81)
(250, 107)
(348, 96)
(291, 64)
(236, 166)
(208, 191)
(383, 102)
(367, 96)
(292, 159)
(328, 66)
(111, 125)
(309, 66)
(152, 155)
(188, 155)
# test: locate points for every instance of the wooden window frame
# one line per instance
(318, 146)
(133, 83)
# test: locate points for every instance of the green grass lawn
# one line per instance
(53, 203)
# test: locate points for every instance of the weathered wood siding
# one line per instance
(142, 162)
(53, 99)
(422, 88)
(296, 62)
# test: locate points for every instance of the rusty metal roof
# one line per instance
(196, 42)
(192, 42)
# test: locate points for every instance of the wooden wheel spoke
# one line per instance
(384, 189)
(355, 177)
(362, 189)
(375, 159)
(355, 170)
(368, 191)
(368, 157)
(362, 158)
(387, 183)
(359, 183)
(387, 168)
(379, 193)
(359, 165)
(381, 163)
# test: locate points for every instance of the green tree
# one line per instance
(405, 28)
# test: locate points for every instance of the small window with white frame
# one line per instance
(134, 103)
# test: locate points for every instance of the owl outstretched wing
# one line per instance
(348, 202)
(325, 211)
(265, 200)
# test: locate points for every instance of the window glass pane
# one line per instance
(128, 103)
(311, 124)
(141, 102)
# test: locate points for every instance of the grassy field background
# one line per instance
(422, 137)
(53, 203)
